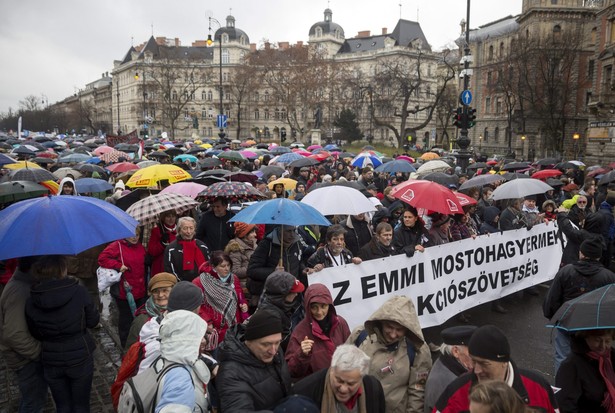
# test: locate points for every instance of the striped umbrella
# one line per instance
(114, 156)
(147, 210)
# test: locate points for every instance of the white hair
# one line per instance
(348, 357)
(182, 220)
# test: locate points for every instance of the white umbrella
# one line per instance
(338, 200)
(433, 166)
(519, 188)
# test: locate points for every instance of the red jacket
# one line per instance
(209, 314)
(134, 258)
(319, 358)
(7, 268)
(534, 390)
(155, 248)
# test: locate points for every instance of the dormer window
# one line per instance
(225, 38)
(319, 32)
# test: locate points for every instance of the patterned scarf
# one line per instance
(154, 310)
(221, 296)
(605, 366)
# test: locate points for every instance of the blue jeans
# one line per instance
(562, 347)
(71, 386)
(33, 388)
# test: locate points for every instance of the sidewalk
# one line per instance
(107, 358)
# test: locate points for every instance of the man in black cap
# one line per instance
(490, 354)
(572, 281)
(253, 374)
(452, 363)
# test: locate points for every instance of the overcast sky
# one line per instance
(53, 48)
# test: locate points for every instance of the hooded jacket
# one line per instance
(574, 280)
(245, 384)
(301, 365)
(575, 235)
(132, 256)
(489, 225)
(58, 313)
(404, 385)
(63, 181)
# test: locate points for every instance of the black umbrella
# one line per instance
(509, 176)
(34, 175)
(174, 151)
(547, 161)
(607, 178)
(566, 165)
(42, 161)
(271, 170)
(441, 178)
(554, 182)
(209, 162)
(18, 190)
(350, 184)
(196, 149)
(88, 167)
(135, 195)
(478, 165)
(214, 172)
(125, 147)
(241, 176)
(591, 311)
(513, 166)
(206, 180)
(22, 150)
(158, 154)
(299, 163)
(480, 181)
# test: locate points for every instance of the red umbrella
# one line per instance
(547, 173)
(428, 195)
(122, 167)
(465, 199)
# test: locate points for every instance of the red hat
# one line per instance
(297, 287)
(242, 229)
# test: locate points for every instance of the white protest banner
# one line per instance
(447, 279)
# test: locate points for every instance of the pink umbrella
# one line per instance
(249, 154)
(102, 150)
(122, 167)
(312, 147)
(406, 158)
(190, 189)
(302, 152)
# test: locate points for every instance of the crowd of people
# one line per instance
(233, 303)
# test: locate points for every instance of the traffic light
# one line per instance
(471, 117)
(283, 135)
(458, 118)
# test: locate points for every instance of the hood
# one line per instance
(181, 333)
(54, 293)
(318, 293)
(395, 205)
(380, 214)
(593, 223)
(401, 310)
(490, 213)
(588, 268)
(67, 179)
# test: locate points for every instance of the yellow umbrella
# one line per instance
(251, 142)
(21, 165)
(288, 183)
(428, 156)
(149, 177)
(205, 145)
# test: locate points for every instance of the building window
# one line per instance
(225, 38)
(256, 96)
(277, 114)
(226, 59)
(283, 115)
(608, 77)
(174, 95)
(266, 114)
(590, 69)
(498, 105)
(490, 52)
(553, 2)
(256, 114)
(496, 134)
(203, 95)
(486, 135)
(266, 96)
(487, 105)
(203, 114)
(210, 95)
(501, 50)
(318, 32)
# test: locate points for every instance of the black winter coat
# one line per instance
(58, 313)
(215, 232)
(357, 234)
(246, 384)
(313, 387)
(405, 239)
(582, 386)
(375, 249)
(576, 236)
(574, 280)
(174, 260)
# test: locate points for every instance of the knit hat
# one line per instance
(242, 229)
(297, 403)
(283, 283)
(120, 185)
(185, 296)
(592, 248)
(262, 324)
(161, 280)
(458, 335)
(490, 343)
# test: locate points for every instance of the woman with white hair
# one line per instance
(345, 385)
(186, 254)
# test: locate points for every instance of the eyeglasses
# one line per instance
(581, 202)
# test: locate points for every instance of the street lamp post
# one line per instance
(575, 138)
(144, 108)
(522, 146)
(117, 87)
(480, 144)
(210, 42)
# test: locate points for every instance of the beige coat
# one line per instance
(404, 386)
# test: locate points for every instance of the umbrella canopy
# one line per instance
(232, 156)
(62, 173)
(281, 211)
(513, 166)
(405, 158)
(102, 150)
(519, 188)
(428, 156)
(74, 158)
(288, 183)
(338, 200)
(46, 225)
(185, 157)
(349, 184)
(150, 176)
(242, 176)
(114, 156)
(546, 173)
(433, 166)
(607, 178)
(592, 310)
(365, 159)
(209, 162)
(300, 163)
(480, 181)
(22, 164)
(147, 210)
(442, 179)
(289, 157)
(547, 162)
(465, 200)
(396, 166)
(122, 167)
(174, 151)
(249, 154)
(279, 150)
(31, 174)
(554, 182)
(191, 189)
(158, 154)
(19, 190)
(5, 159)
(42, 161)
(92, 185)
(313, 147)
(428, 195)
(232, 190)
(271, 170)
(509, 176)
(145, 164)
(88, 167)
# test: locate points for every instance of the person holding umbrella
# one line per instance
(128, 257)
(162, 235)
(586, 376)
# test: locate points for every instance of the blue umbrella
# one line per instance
(366, 159)
(396, 166)
(5, 159)
(92, 185)
(64, 225)
(281, 211)
(289, 157)
(332, 148)
(185, 157)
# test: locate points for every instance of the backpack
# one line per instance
(409, 346)
(140, 393)
(129, 368)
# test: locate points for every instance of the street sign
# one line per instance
(221, 121)
(465, 97)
